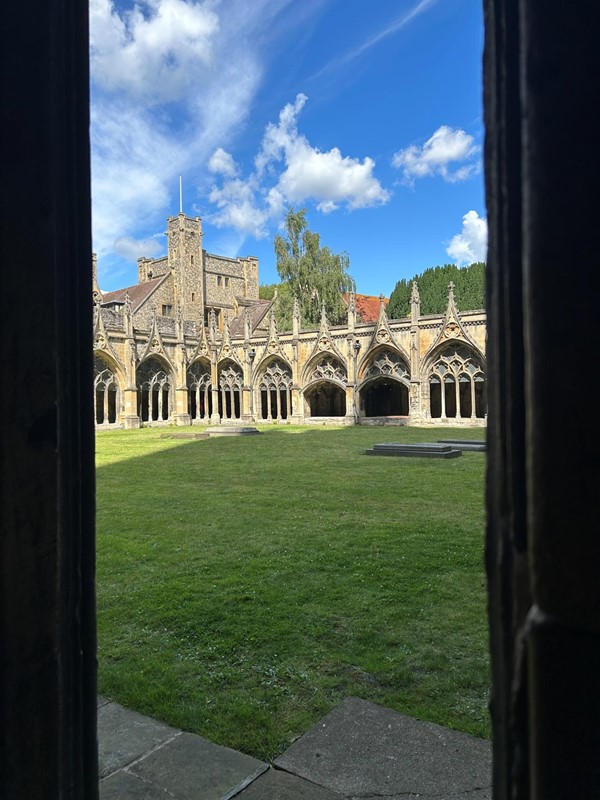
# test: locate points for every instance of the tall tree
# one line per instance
(314, 274)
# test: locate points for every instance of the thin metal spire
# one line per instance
(180, 196)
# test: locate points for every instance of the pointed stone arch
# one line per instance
(324, 390)
(273, 384)
(456, 376)
(108, 398)
(231, 383)
(155, 384)
(384, 382)
(199, 386)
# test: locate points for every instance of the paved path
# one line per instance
(360, 751)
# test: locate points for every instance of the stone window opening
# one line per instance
(154, 387)
(199, 392)
(457, 385)
(385, 387)
(275, 392)
(106, 394)
(230, 392)
(325, 399)
(219, 280)
(167, 310)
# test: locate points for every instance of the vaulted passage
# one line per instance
(385, 398)
(326, 400)
(154, 391)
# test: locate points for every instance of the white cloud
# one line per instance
(222, 163)
(298, 172)
(172, 81)
(447, 147)
(132, 249)
(470, 244)
(154, 51)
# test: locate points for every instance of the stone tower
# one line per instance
(185, 262)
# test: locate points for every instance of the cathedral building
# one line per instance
(192, 343)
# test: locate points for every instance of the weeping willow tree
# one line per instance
(311, 273)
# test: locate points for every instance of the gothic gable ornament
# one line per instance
(382, 334)
(101, 337)
(226, 348)
(273, 344)
(202, 350)
(325, 343)
(452, 327)
(155, 344)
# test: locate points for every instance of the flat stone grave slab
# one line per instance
(416, 450)
(361, 750)
(477, 445)
(232, 430)
(184, 436)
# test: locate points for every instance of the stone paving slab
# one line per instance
(124, 736)
(361, 750)
(192, 768)
(278, 785)
(122, 785)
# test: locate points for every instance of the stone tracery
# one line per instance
(457, 384)
(275, 391)
(154, 389)
(106, 393)
(199, 391)
(231, 382)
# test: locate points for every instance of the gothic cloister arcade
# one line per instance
(107, 397)
(154, 385)
(457, 386)
(231, 382)
(274, 387)
(383, 388)
(199, 390)
(325, 388)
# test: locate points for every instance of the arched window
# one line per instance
(325, 395)
(154, 391)
(231, 382)
(384, 389)
(457, 385)
(275, 391)
(199, 391)
(106, 393)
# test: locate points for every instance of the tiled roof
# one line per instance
(137, 293)
(257, 310)
(367, 306)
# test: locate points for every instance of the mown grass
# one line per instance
(247, 585)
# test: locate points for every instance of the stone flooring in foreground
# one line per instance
(359, 751)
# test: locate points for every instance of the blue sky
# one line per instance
(366, 114)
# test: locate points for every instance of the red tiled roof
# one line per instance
(137, 293)
(367, 306)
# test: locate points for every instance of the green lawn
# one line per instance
(247, 585)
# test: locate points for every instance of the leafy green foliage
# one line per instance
(313, 274)
(266, 291)
(469, 290)
(246, 594)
